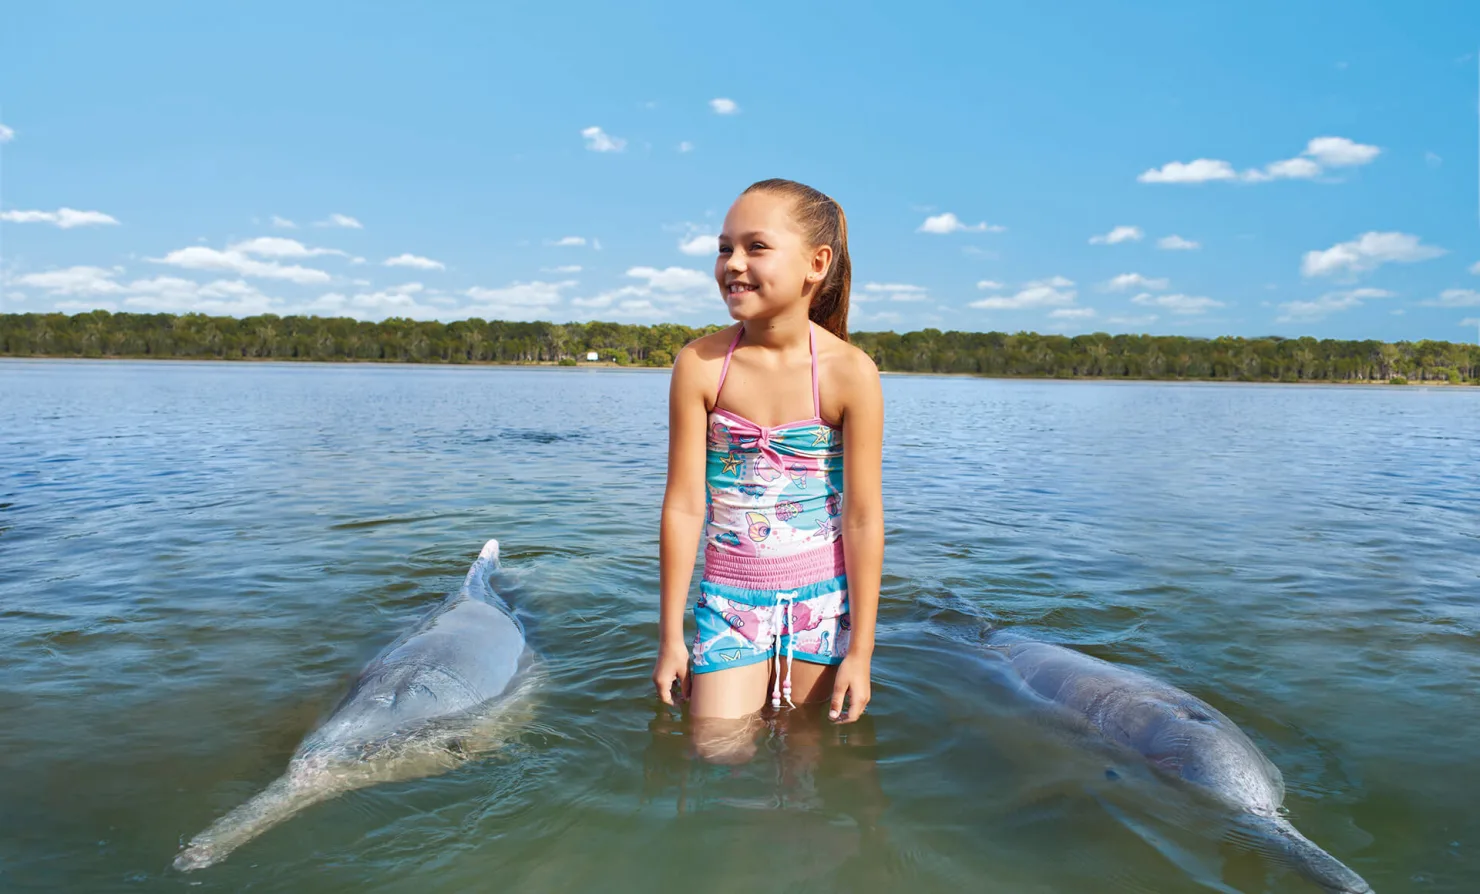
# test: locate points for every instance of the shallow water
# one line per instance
(196, 558)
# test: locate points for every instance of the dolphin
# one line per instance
(441, 692)
(1179, 737)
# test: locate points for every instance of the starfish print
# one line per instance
(821, 436)
(826, 526)
(732, 462)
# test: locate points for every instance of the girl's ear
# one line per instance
(821, 263)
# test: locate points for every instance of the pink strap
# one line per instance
(812, 346)
(725, 370)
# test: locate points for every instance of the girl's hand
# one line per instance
(851, 682)
(672, 667)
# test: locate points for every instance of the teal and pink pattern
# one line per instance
(774, 500)
(775, 581)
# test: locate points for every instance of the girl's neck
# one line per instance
(779, 332)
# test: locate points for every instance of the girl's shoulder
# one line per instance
(844, 359)
(696, 368)
(705, 350)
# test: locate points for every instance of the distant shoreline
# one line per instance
(633, 367)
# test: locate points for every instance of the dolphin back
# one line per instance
(464, 654)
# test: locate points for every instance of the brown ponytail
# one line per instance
(824, 223)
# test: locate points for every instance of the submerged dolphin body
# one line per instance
(1180, 737)
(439, 693)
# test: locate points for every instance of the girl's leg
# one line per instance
(724, 706)
(812, 683)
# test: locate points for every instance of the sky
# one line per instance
(1178, 169)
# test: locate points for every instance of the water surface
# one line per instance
(195, 559)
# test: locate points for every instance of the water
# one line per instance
(196, 558)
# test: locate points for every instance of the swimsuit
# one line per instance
(774, 576)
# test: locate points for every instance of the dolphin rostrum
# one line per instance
(428, 701)
(1178, 736)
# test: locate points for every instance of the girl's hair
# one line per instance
(823, 223)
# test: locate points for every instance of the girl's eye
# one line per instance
(756, 246)
(723, 249)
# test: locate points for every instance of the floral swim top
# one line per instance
(774, 496)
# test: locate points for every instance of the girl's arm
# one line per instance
(683, 519)
(863, 528)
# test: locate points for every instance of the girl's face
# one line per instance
(765, 264)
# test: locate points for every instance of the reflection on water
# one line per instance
(195, 560)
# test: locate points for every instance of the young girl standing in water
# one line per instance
(775, 446)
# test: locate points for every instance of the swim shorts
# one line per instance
(738, 626)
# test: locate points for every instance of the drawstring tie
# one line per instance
(781, 688)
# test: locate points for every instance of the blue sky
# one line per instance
(1259, 168)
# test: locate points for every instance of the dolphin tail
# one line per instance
(1275, 834)
(282, 799)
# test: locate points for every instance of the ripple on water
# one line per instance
(199, 557)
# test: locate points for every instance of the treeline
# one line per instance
(270, 337)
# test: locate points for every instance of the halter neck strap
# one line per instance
(724, 370)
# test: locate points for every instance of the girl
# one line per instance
(775, 443)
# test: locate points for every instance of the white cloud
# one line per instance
(685, 146)
(1339, 152)
(1289, 169)
(989, 284)
(1367, 252)
(165, 294)
(278, 247)
(1319, 154)
(894, 291)
(566, 268)
(1054, 292)
(73, 281)
(1475, 268)
(397, 301)
(6, 134)
(942, 224)
(1432, 159)
(1127, 281)
(410, 260)
(1144, 320)
(1456, 298)
(283, 223)
(1470, 321)
(65, 218)
(343, 221)
(1117, 236)
(1177, 304)
(1203, 170)
(223, 297)
(673, 279)
(568, 241)
(517, 301)
(724, 106)
(1176, 243)
(199, 257)
(663, 294)
(1327, 304)
(597, 140)
(1073, 313)
(702, 244)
